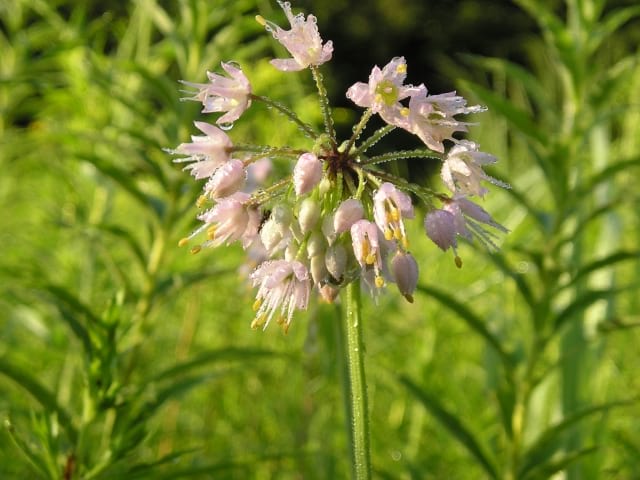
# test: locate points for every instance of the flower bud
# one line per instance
(336, 260)
(308, 215)
(316, 244)
(347, 213)
(227, 179)
(405, 273)
(327, 229)
(307, 173)
(318, 269)
(329, 293)
(441, 228)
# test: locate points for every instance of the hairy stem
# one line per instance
(358, 385)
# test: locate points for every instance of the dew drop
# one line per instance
(234, 64)
(225, 126)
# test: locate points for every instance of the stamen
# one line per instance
(202, 199)
(183, 242)
(195, 249)
(211, 232)
(379, 281)
(257, 304)
(401, 68)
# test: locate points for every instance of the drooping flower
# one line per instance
(462, 169)
(283, 286)
(390, 206)
(366, 248)
(228, 220)
(440, 226)
(405, 273)
(307, 173)
(206, 152)
(347, 213)
(384, 91)
(303, 41)
(227, 180)
(432, 117)
(223, 94)
(469, 220)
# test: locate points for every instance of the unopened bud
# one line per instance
(307, 173)
(318, 269)
(308, 215)
(405, 273)
(329, 293)
(336, 260)
(316, 244)
(227, 180)
(348, 213)
(441, 228)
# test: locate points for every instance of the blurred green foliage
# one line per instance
(122, 356)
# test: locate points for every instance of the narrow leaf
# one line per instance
(608, 261)
(453, 425)
(40, 393)
(472, 320)
(582, 302)
(214, 356)
(549, 441)
(546, 470)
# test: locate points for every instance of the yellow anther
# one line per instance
(394, 213)
(458, 261)
(257, 304)
(202, 199)
(379, 281)
(370, 259)
(195, 249)
(405, 243)
(260, 19)
(258, 321)
(365, 248)
(388, 234)
(397, 234)
(404, 111)
(211, 232)
(401, 68)
(280, 320)
(285, 328)
(183, 242)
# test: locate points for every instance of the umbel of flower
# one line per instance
(327, 214)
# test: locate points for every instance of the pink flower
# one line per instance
(223, 94)
(441, 229)
(282, 285)
(347, 213)
(405, 273)
(462, 169)
(307, 173)
(431, 117)
(228, 220)
(366, 248)
(390, 205)
(303, 41)
(384, 91)
(227, 179)
(206, 152)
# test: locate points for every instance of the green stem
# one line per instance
(287, 112)
(324, 106)
(358, 385)
(373, 139)
(358, 129)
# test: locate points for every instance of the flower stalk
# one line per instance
(360, 448)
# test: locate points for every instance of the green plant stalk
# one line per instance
(357, 385)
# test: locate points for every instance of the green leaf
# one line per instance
(582, 302)
(608, 261)
(40, 393)
(516, 74)
(215, 356)
(129, 240)
(609, 25)
(518, 118)
(523, 287)
(453, 425)
(472, 320)
(546, 470)
(38, 464)
(550, 441)
(605, 175)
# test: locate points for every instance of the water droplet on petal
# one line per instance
(225, 126)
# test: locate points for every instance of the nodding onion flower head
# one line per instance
(323, 214)
(224, 94)
(303, 41)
